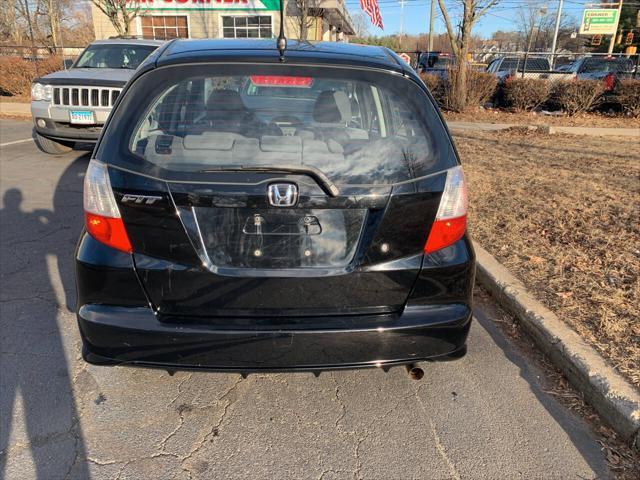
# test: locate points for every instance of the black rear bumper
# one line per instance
(134, 336)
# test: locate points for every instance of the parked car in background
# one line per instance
(564, 68)
(71, 105)
(244, 213)
(608, 69)
(507, 66)
(435, 63)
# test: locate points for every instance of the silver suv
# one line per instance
(72, 105)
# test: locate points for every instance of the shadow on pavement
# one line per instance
(568, 422)
(37, 277)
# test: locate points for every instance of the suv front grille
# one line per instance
(85, 96)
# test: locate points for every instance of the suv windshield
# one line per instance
(351, 127)
(114, 56)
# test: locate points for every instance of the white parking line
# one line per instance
(24, 140)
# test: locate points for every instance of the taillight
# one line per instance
(101, 214)
(609, 82)
(451, 219)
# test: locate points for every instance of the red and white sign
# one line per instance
(405, 57)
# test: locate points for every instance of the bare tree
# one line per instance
(27, 10)
(51, 10)
(120, 13)
(539, 27)
(535, 26)
(9, 27)
(303, 13)
(77, 26)
(506, 40)
(360, 25)
(460, 39)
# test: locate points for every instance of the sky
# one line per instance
(501, 17)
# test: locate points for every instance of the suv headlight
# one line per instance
(37, 91)
(48, 93)
(41, 92)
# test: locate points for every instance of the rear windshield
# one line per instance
(354, 127)
(533, 64)
(593, 65)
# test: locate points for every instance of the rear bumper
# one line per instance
(134, 336)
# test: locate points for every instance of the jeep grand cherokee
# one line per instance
(71, 105)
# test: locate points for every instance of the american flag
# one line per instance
(370, 7)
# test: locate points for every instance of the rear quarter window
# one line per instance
(356, 127)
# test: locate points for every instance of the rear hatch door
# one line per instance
(322, 211)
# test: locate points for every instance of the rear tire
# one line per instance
(52, 147)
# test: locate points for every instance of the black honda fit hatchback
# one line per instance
(246, 213)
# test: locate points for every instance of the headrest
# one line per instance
(225, 101)
(332, 107)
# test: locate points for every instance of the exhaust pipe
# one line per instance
(415, 372)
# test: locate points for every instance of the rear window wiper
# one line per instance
(324, 182)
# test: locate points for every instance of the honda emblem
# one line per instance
(282, 194)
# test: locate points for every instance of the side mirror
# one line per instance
(68, 63)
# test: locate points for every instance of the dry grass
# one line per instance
(563, 214)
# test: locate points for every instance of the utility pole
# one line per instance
(612, 42)
(555, 36)
(433, 11)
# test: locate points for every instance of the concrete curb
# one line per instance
(615, 399)
(548, 129)
(593, 131)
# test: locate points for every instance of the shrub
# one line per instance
(481, 87)
(577, 96)
(525, 93)
(627, 94)
(436, 86)
(17, 73)
(431, 81)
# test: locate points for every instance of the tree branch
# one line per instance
(484, 9)
(450, 32)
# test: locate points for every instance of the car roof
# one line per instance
(129, 41)
(265, 51)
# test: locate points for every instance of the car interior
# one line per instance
(348, 128)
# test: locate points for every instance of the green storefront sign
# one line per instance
(200, 5)
(599, 21)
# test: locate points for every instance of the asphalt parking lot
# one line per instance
(485, 416)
